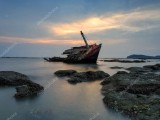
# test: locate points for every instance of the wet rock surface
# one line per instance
(77, 77)
(24, 86)
(136, 93)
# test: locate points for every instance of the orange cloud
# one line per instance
(100, 23)
(90, 25)
(10, 39)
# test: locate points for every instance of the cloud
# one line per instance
(114, 41)
(133, 21)
(10, 39)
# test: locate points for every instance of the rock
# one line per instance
(11, 78)
(139, 108)
(55, 59)
(136, 94)
(137, 69)
(63, 73)
(75, 80)
(125, 61)
(21, 90)
(121, 72)
(116, 67)
(25, 86)
(157, 91)
(135, 56)
(143, 88)
(105, 81)
(135, 82)
(87, 76)
(28, 90)
(76, 77)
(153, 67)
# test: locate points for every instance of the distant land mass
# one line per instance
(135, 56)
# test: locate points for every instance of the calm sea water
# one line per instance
(60, 100)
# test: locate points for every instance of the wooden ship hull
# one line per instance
(82, 54)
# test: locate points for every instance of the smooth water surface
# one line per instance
(60, 100)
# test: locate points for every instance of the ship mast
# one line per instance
(87, 46)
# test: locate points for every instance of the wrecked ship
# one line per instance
(81, 54)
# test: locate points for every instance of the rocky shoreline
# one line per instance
(24, 86)
(136, 93)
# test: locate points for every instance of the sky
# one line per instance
(45, 28)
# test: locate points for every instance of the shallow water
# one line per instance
(60, 100)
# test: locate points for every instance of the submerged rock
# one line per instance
(136, 94)
(76, 77)
(24, 86)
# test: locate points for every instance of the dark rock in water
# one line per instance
(63, 73)
(28, 90)
(87, 76)
(153, 67)
(136, 94)
(91, 75)
(134, 56)
(25, 86)
(143, 88)
(121, 72)
(137, 69)
(137, 107)
(75, 80)
(125, 61)
(55, 59)
(105, 81)
(116, 67)
(11, 78)
(157, 91)
(76, 77)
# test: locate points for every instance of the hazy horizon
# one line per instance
(46, 28)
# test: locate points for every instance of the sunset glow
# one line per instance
(118, 25)
(115, 21)
(42, 41)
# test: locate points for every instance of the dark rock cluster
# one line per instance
(63, 73)
(136, 93)
(76, 77)
(24, 86)
(135, 56)
(116, 67)
(124, 61)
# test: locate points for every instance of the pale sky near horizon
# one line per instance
(45, 28)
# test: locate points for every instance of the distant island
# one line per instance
(135, 56)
